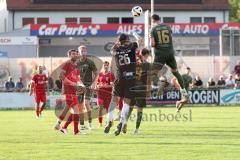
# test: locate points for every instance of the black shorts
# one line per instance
(123, 88)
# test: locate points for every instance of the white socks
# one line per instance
(124, 113)
(111, 109)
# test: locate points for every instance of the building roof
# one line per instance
(82, 5)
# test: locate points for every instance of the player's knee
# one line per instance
(75, 109)
(140, 109)
(100, 107)
(127, 101)
(87, 102)
(37, 104)
(80, 107)
(114, 100)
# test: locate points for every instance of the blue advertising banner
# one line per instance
(204, 96)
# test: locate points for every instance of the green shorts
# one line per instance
(80, 98)
(88, 94)
(161, 59)
(140, 102)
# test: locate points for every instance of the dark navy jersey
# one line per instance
(125, 58)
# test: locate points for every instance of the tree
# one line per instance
(234, 10)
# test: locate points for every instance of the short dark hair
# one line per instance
(123, 37)
(71, 50)
(145, 51)
(188, 68)
(106, 63)
(155, 17)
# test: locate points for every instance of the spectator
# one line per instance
(50, 83)
(230, 82)
(45, 71)
(58, 84)
(20, 85)
(9, 85)
(237, 69)
(35, 70)
(187, 78)
(211, 83)
(198, 82)
(237, 81)
(221, 82)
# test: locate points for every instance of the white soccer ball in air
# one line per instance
(137, 11)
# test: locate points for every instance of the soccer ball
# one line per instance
(137, 11)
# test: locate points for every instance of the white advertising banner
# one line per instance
(16, 100)
(229, 96)
(30, 40)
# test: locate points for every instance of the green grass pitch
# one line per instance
(213, 134)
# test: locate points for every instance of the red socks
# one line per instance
(70, 119)
(75, 123)
(37, 112)
(62, 116)
(41, 109)
(100, 119)
(120, 104)
(75, 119)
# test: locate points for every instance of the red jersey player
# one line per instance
(104, 85)
(71, 79)
(38, 86)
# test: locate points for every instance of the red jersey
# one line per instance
(40, 83)
(72, 74)
(105, 78)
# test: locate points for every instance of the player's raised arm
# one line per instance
(114, 47)
(138, 38)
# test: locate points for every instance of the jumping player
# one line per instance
(104, 86)
(123, 53)
(142, 87)
(38, 85)
(161, 41)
